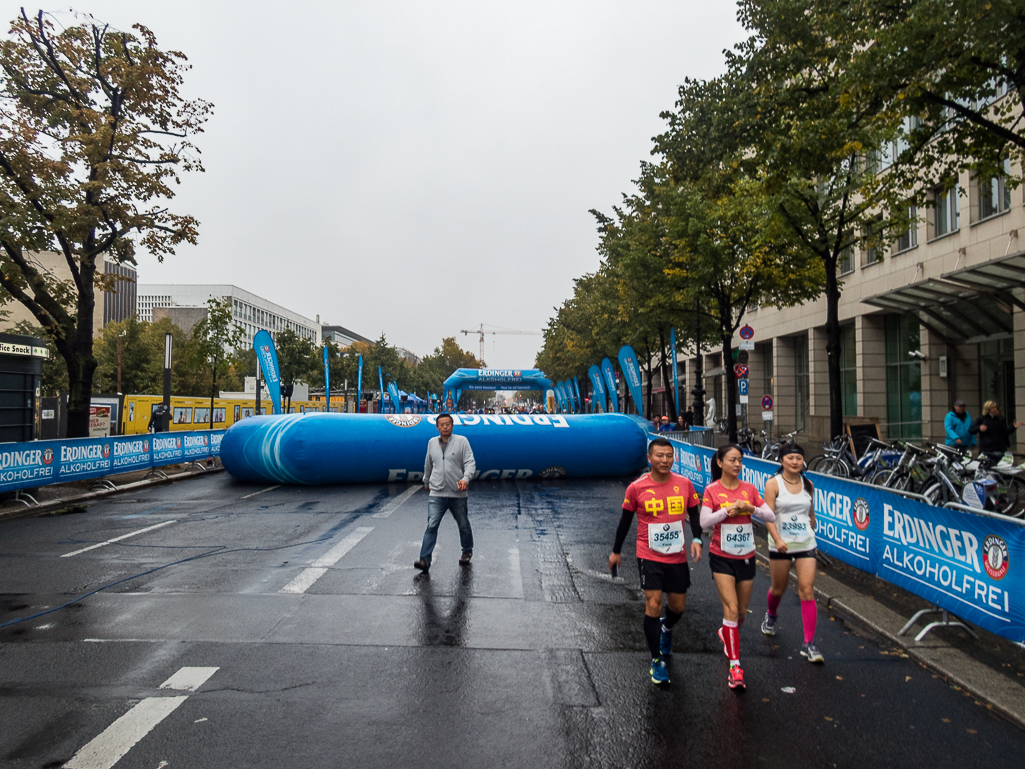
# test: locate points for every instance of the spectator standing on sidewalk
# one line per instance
(448, 469)
(993, 431)
(958, 425)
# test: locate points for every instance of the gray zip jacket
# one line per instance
(447, 464)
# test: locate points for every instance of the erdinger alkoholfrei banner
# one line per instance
(676, 371)
(597, 389)
(380, 381)
(632, 372)
(359, 382)
(576, 390)
(610, 383)
(971, 565)
(263, 344)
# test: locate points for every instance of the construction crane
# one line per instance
(482, 332)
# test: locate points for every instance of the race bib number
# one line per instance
(793, 531)
(737, 538)
(665, 538)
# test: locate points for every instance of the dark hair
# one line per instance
(659, 442)
(444, 415)
(720, 455)
(793, 448)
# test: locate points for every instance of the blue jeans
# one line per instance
(436, 507)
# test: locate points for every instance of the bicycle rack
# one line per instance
(946, 621)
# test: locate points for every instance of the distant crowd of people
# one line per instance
(683, 422)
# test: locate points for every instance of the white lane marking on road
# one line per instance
(262, 491)
(121, 736)
(188, 679)
(307, 577)
(398, 501)
(117, 539)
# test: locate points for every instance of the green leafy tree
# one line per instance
(93, 134)
(213, 341)
(140, 365)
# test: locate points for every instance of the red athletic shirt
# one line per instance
(718, 496)
(662, 506)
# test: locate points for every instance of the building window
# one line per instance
(903, 378)
(845, 262)
(873, 241)
(908, 238)
(994, 196)
(802, 383)
(848, 371)
(946, 218)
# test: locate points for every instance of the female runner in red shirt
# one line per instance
(726, 508)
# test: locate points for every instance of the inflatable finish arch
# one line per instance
(493, 379)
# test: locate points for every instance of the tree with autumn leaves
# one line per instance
(94, 135)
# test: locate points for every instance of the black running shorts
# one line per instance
(788, 556)
(667, 577)
(741, 569)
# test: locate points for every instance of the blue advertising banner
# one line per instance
(167, 448)
(40, 463)
(84, 458)
(610, 383)
(359, 382)
(327, 381)
(393, 393)
(263, 345)
(971, 565)
(576, 392)
(597, 389)
(567, 388)
(676, 371)
(380, 381)
(632, 371)
(24, 465)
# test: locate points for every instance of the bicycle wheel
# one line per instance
(936, 492)
(756, 447)
(880, 477)
(1009, 495)
(814, 463)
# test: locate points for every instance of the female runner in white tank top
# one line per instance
(792, 540)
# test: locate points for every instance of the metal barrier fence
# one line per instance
(698, 436)
(41, 463)
(964, 562)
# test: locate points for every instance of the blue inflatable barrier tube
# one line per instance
(321, 448)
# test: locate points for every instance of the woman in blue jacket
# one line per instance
(958, 424)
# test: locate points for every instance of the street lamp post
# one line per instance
(119, 337)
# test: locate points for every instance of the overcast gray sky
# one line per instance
(418, 168)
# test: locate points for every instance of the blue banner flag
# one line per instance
(676, 371)
(359, 383)
(632, 372)
(393, 393)
(610, 384)
(263, 345)
(567, 393)
(560, 396)
(380, 381)
(327, 380)
(576, 390)
(597, 389)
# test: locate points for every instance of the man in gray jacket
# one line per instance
(447, 472)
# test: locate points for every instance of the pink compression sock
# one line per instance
(731, 637)
(773, 601)
(809, 613)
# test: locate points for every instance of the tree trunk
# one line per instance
(79, 357)
(213, 391)
(649, 395)
(667, 380)
(731, 385)
(833, 349)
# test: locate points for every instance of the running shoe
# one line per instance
(736, 679)
(665, 642)
(659, 674)
(811, 652)
(769, 624)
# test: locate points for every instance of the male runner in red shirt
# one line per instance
(659, 498)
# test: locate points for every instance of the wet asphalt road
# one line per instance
(532, 656)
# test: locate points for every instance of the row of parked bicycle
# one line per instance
(937, 473)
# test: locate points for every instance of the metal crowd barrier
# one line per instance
(41, 463)
(697, 436)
